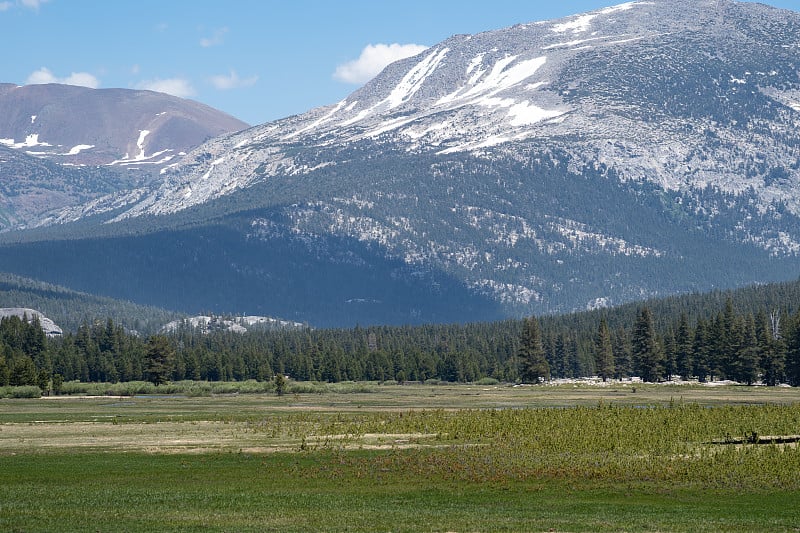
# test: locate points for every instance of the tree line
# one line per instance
(741, 346)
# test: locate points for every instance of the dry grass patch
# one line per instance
(161, 437)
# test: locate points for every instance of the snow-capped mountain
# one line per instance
(105, 141)
(641, 149)
(118, 127)
(685, 94)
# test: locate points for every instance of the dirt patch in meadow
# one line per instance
(185, 437)
(107, 436)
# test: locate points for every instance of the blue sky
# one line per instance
(258, 60)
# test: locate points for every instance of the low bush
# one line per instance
(25, 391)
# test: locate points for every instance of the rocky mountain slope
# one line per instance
(684, 94)
(234, 324)
(48, 326)
(83, 126)
(31, 186)
(98, 136)
(638, 150)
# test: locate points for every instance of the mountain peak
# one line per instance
(84, 126)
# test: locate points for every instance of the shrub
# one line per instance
(23, 391)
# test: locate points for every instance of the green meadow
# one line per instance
(372, 457)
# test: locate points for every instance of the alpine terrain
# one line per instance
(640, 150)
(109, 140)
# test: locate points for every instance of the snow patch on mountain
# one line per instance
(503, 76)
(140, 144)
(31, 141)
(508, 293)
(311, 127)
(75, 150)
(412, 82)
(579, 236)
(583, 23)
(158, 158)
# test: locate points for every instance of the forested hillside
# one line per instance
(69, 309)
(751, 335)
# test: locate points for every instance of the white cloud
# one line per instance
(232, 81)
(34, 4)
(175, 86)
(6, 5)
(217, 38)
(373, 59)
(82, 79)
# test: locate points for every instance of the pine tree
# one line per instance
(24, 371)
(561, 354)
(603, 354)
(647, 356)
(668, 351)
(717, 346)
(622, 353)
(531, 353)
(683, 349)
(158, 359)
(730, 339)
(700, 350)
(748, 355)
(793, 352)
(771, 349)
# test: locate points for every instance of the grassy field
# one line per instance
(405, 458)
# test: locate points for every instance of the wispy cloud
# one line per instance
(5, 5)
(373, 59)
(44, 75)
(216, 39)
(33, 4)
(232, 81)
(175, 86)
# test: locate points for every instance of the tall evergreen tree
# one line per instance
(748, 355)
(668, 353)
(158, 359)
(647, 356)
(729, 341)
(622, 353)
(771, 349)
(531, 353)
(562, 355)
(683, 348)
(701, 349)
(603, 352)
(717, 347)
(573, 356)
(793, 352)
(23, 372)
